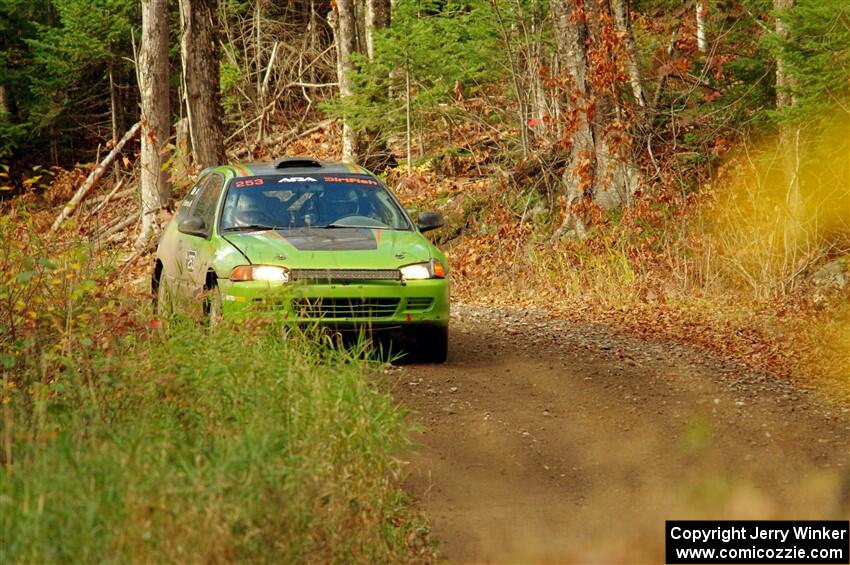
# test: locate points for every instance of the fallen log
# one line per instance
(115, 228)
(94, 177)
(106, 200)
(96, 200)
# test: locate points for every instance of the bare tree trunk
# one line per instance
(702, 43)
(374, 153)
(597, 170)
(571, 36)
(314, 37)
(113, 107)
(258, 68)
(201, 55)
(789, 136)
(4, 103)
(153, 90)
(360, 25)
(784, 95)
(344, 23)
(623, 16)
(378, 13)
(407, 134)
(540, 105)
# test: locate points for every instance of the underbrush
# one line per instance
(125, 438)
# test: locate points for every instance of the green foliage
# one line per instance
(70, 60)
(54, 62)
(17, 19)
(817, 55)
(231, 78)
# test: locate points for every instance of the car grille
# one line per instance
(345, 307)
(345, 274)
(419, 303)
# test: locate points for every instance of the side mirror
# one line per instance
(430, 221)
(193, 226)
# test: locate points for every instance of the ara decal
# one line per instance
(297, 179)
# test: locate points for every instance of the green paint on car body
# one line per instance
(341, 238)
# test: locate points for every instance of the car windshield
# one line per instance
(314, 201)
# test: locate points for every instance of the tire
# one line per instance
(433, 344)
(164, 301)
(212, 306)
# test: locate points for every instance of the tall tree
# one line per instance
(599, 166)
(201, 62)
(374, 151)
(789, 135)
(343, 20)
(378, 13)
(624, 22)
(784, 83)
(702, 42)
(153, 89)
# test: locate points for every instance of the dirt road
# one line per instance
(546, 441)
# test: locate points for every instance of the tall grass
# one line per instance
(125, 439)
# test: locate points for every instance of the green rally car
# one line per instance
(314, 241)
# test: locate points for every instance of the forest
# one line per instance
(672, 171)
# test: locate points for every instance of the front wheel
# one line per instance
(212, 306)
(433, 343)
(164, 300)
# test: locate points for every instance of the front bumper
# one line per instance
(373, 303)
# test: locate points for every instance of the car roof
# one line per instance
(296, 166)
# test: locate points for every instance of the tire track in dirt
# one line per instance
(544, 440)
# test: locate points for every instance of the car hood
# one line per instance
(340, 248)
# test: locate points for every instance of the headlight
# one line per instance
(260, 273)
(419, 271)
(416, 272)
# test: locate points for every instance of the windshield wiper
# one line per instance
(254, 227)
(338, 226)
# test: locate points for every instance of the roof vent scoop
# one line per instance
(296, 163)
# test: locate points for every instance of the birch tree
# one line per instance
(702, 42)
(623, 15)
(378, 14)
(153, 89)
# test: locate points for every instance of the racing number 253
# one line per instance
(249, 182)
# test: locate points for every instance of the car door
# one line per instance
(196, 251)
(170, 251)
